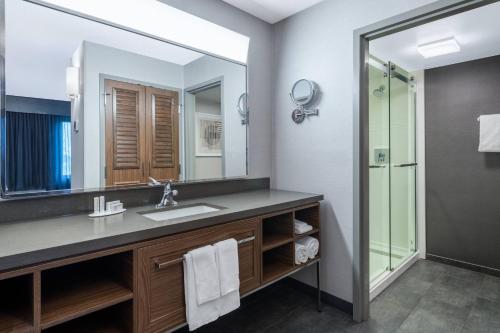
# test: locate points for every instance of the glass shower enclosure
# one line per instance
(392, 175)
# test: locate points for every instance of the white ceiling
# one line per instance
(38, 53)
(272, 11)
(477, 31)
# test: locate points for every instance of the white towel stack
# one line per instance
(211, 282)
(301, 227)
(301, 254)
(311, 244)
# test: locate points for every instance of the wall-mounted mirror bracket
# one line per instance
(304, 94)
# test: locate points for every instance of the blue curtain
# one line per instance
(38, 152)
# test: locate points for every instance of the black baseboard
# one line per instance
(463, 264)
(327, 298)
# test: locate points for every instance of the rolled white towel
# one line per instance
(301, 227)
(312, 245)
(301, 254)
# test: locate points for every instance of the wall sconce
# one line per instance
(73, 93)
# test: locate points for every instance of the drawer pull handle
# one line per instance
(163, 265)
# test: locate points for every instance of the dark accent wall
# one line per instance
(462, 185)
(37, 105)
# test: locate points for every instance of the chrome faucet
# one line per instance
(168, 193)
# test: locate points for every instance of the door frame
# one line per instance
(422, 15)
(217, 81)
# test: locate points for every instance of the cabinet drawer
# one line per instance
(160, 276)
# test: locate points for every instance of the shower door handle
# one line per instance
(404, 165)
(377, 166)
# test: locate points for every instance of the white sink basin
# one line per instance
(178, 212)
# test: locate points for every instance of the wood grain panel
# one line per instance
(125, 133)
(162, 123)
(161, 304)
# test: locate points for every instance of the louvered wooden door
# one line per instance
(125, 134)
(162, 122)
(142, 134)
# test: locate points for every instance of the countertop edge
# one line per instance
(23, 260)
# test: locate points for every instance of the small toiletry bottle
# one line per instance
(96, 205)
(102, 204)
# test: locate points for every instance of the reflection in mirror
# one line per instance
(91, 106)
(303, 92)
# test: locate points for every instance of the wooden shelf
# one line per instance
(309, 233)
(112, 320)
(275, 269)
(277, 262)
(16, 304)
(81, 297)
(272, 241)
(12, 320)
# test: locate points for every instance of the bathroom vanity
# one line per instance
(125, 273)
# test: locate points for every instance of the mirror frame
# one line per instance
(3, 160)
(313, 92)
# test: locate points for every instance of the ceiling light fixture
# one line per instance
(439, 47)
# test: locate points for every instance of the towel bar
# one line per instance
(162, 265)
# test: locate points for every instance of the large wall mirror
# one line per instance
(91, 106)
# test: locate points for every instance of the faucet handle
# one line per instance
(153, 182)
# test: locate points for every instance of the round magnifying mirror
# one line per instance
(242, 105)
(303, 92)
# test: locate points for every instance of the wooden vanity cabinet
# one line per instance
(160, 279)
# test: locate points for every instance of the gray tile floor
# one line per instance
(429, 297)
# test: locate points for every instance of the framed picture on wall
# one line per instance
(208, 132)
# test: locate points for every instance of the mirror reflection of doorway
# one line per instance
(141, 133)
(204, 132)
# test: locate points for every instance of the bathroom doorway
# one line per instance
(392, 171)
(363, 93)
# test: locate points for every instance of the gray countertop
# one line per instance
(31, 242)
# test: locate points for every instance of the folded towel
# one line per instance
(489, 133)
(227, 260)
(206, 274)
(196, 315)
(301, 227)
(312, 245)
(301, 254)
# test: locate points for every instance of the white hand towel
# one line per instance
(229, 273)
(227, 260)
(489, 133)
(196, 315)
(206, 274)
(301, 254)
(312, 245)
(301, 227)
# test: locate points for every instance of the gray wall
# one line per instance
(259, 72)
(317, 156)
(463, 185)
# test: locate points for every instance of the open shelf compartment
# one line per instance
(16, 304)
(277, 230)
(277, 262)
(76, 290)
(116, 319)
(309, 215)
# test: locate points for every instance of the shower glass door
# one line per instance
(392, 168)
(379, 140)
(403, 165)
